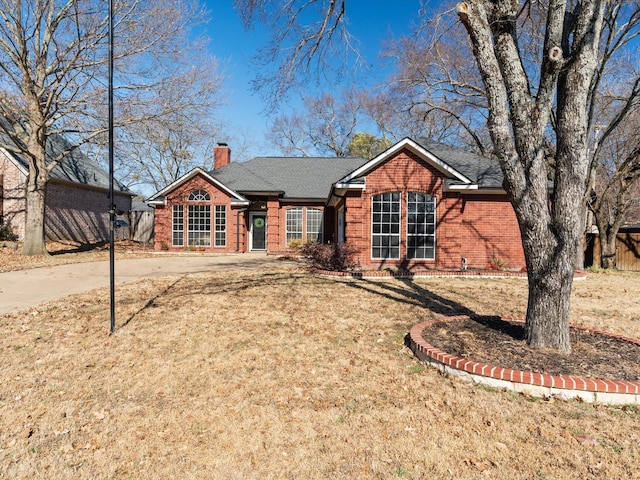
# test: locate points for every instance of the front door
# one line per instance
(258, 231)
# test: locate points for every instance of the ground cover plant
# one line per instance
(282, 374)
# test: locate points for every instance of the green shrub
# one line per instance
(336, 256)
(6, 233)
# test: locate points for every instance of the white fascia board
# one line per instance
(449, 186)
(240, 203)
(157, 201)
(350, 186)
(417, 149)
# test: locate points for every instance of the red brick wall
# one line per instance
(13, 192)
(485, 226)
(72, 212)
(81, 214)
(180, 196)
(477, 227)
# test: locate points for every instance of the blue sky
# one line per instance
(370, 21)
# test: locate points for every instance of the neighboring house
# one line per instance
(413, 206)
(77, 203)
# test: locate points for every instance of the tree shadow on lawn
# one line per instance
(408, 293)
(79, 248)
(413, 294)
(222, 284)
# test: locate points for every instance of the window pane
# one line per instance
(199, 196)
(385, 226)
(314, 225)
(199, 224)
(177, 226)
(221, 226)
(421, 226)
(293, 225)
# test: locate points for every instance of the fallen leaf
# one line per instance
(586, 440)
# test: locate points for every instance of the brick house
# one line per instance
(414, 206)
(76, 204)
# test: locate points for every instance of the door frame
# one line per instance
(251, 217)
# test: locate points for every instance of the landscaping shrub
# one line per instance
(335, 256)
(6, 233)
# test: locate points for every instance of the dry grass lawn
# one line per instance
(286, 375)
(62, 253)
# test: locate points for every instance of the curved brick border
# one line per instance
(537, 384)
(434, 273)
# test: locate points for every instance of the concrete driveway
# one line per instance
(27, 288)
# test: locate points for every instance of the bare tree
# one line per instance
(614, 195)
(324, 127)
(162, 148)
(545, 85)
(438, 78)
(437, 84)
(309, 42)
(53, 60)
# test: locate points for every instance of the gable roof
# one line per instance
(290, 177)
(75, 167)
(482, 171)
(318, 178)
(160, 197)
(461, 169)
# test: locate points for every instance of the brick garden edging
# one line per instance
(537, 384)
(434, 273)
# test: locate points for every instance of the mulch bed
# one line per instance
(501, 343)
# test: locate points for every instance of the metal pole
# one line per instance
(112, 203)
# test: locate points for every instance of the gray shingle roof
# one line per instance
(485, 172)
(294, 177)
(75, 167)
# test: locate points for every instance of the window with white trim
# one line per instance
(177, 226)
(220, 226)
(314, 225)
(421, 226)
(385, 225)
(293, 225)
(199, 196)
(199, 232)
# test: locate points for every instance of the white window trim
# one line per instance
(173, 224)
(215, 226)
(435, 206)
(378, 234)
(287, 232)
(320, 232)
(189, 231)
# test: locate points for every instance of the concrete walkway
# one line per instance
(23, 289)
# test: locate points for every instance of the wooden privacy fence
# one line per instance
(627, 249)
(141, 223)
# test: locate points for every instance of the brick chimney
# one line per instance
(221, 155)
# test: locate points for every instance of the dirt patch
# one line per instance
(502, 343)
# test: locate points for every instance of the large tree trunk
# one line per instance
(550, 273)
(608, 239)
(34, 238)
